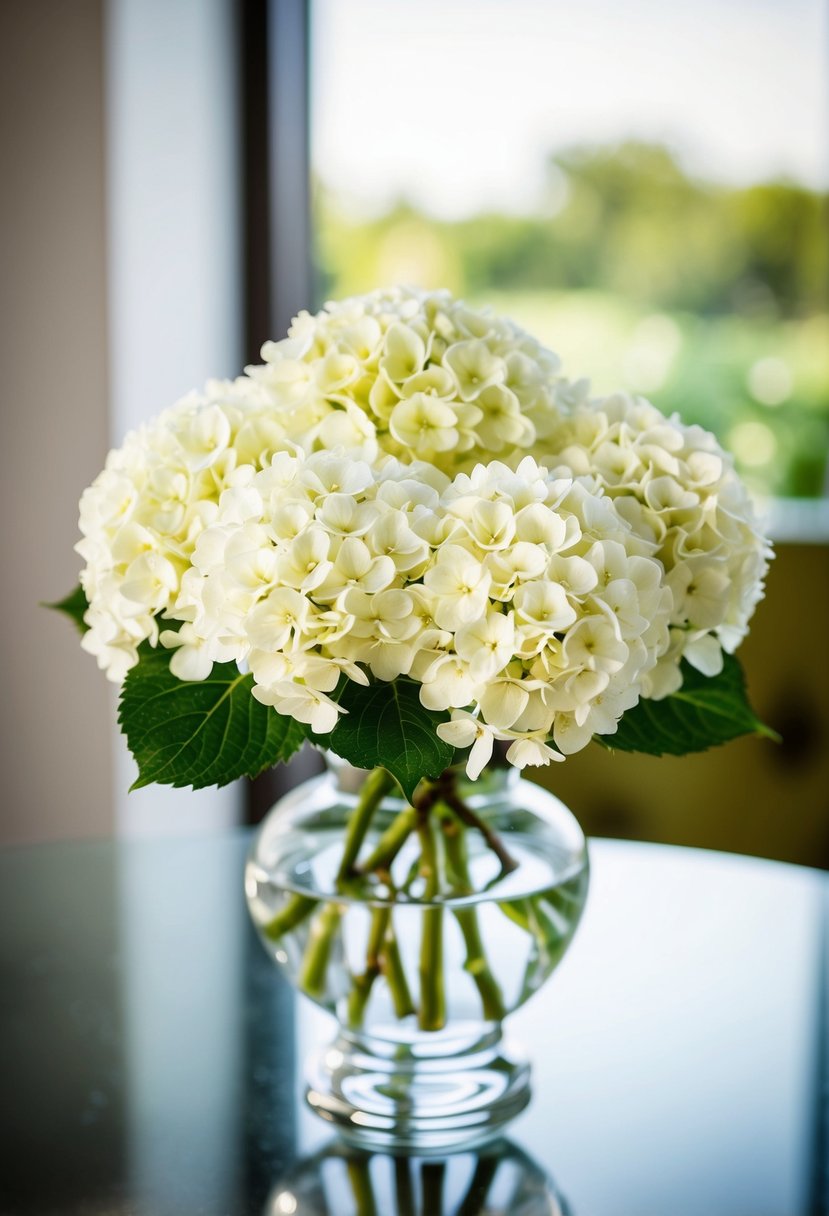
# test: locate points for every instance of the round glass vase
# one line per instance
(420, 928)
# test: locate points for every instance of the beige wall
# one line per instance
(56, 709)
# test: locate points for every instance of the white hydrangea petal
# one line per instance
(503, 702)
(480, 755)
(461, 731)
(705, 653)
(532, 752)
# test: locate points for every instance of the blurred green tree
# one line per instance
(712, 299)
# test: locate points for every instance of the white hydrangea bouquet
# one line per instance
(409, 540)
(406, 515)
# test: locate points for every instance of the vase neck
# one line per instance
(494, 779)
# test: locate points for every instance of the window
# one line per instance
(642, 186)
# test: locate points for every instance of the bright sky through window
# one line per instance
(454, 105)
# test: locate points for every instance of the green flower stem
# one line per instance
(324, 927)
(390, 843)
(476, 964)
(383, 954)
(296, 910)
(492, 999)
(468, 816)
(432, 1011)
(315, 960)
(392, 967)
(376, 785)
(382, 958)
(361, 985)
(359, 1175)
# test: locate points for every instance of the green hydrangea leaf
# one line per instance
(387, 726)
(704, 712)
(74, 605)
(200, 733)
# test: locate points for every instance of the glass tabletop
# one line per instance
(152, 1056)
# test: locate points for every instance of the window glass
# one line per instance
(641, 185)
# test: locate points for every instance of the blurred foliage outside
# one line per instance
(711, 300)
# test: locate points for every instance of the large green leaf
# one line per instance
(206, 732)
(74, 605)
(706, 711)
(386, 725)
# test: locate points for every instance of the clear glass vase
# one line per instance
(420, 929)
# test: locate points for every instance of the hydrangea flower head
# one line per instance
(141, 516)
(362, 506)
(490, 590)
(678, 490)
(418, 375)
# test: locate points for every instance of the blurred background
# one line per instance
(643, 187)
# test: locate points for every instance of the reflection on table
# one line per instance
(340, 1181)
(152, 1056)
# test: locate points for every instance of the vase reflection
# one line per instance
(339, 1180)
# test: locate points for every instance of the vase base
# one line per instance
(404, 1100)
